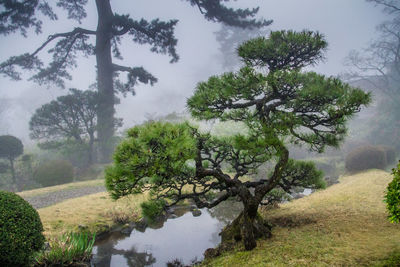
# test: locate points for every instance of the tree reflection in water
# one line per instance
(105, 251)
(183, 236)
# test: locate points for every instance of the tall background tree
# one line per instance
(111, 28)
(278, 103)
(378, 68)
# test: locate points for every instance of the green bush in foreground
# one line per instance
(20, 231)
(392, 197)
(54, 172)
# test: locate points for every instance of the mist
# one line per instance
(346, 25)
(122, 122)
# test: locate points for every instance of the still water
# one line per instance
(184, 237)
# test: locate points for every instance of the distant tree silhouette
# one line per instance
(11, 148)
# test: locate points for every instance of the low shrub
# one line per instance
(92, 172)
(54, 172)
(20, 231)
(366, 157)
(70, 249)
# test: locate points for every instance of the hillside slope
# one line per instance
(344, 225)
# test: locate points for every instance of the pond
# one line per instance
(181, 236)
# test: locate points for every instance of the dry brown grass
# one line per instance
(344, 225)
(96, 213)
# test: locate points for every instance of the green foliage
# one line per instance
(278, 53)
(20, 231)
(10, 147)
(303, 174)
(154, 155)
(296, 176)
(54, 172)
(72, 248)
(151, 209)
(392, 197)
(366, 157)
(296, 94)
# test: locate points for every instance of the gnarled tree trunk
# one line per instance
(249, 225)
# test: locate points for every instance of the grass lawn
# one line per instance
(95, 213)
(344, 225)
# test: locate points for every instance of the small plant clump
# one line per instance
(20, 231)
(54, 172)
(69, 249)
(392, 197)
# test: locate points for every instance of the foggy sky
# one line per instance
(346, 24)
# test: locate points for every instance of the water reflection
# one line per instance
(185, 238)
(107, 254)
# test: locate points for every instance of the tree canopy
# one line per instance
(279, 104)
(72, 116)
(104, 43)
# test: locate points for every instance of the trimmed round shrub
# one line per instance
(20, 231)
(366, 157)
(10, 147)
(54, 172)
